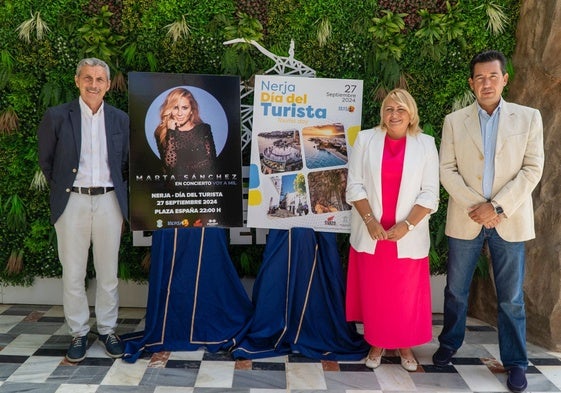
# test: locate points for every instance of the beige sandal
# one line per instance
(408, 364)
(373, 361)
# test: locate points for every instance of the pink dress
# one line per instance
(391, 296)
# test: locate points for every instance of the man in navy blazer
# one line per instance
(83, 153)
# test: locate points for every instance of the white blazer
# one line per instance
(419, 185)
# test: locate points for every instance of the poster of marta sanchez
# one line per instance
(185, 151)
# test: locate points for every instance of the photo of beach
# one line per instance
(324, 145)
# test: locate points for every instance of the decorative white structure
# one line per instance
(283, 66)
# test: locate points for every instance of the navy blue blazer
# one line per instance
(60, 139)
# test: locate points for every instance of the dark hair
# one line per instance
(486, 57)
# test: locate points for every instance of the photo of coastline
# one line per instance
(324, 145)
(327, 191)
(279, 151)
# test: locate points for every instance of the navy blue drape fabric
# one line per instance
(299, 299)
(195, 297)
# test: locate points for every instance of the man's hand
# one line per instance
(484, 214)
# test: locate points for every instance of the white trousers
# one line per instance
(96, 221)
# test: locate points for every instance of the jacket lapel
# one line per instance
(506, 125)
(108, 118)
(472, 127)
(76, 121)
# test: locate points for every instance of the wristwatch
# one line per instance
(409, 225)
(498, 210)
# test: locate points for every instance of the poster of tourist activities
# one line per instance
(303, 129)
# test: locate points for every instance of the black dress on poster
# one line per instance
(185, 151)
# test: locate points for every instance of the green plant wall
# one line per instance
(422, 45)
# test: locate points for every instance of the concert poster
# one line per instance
(185, 151)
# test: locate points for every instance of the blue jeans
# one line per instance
(508, 259)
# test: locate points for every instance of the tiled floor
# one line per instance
(33, 342)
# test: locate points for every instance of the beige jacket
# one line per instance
(519, 161)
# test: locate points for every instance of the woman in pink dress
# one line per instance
(393, 186)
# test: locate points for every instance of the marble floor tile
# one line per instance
(259, 379)
(365, 380)
(8, 322)
(305, 376)
(54, 311)
(537, 382)
(363, 391)
(480, 379)
(187, 355)
(274, 359)
(25, 344)
(76, 388)
(493, 350)
(215, 374)
(27, 387)
(80, 375)
(36, 369)
(122, 373)
(439, 382)
(172, 389)
(96, 349)
(552, 373)
(169, 377)
(392, 378)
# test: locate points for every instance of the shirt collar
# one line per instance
(482, 111)
(87, 110)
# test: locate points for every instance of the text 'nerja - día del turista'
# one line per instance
(281, 100)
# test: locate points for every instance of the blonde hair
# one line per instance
(165, 110)
(403, 98)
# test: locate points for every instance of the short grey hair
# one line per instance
(92, 62)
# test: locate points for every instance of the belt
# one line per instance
(92, 190)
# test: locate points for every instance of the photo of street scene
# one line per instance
(327, 191)
(279, 151)
(324, 145)
(290, 197)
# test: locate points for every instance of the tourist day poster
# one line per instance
(185, 151)
(303, 130)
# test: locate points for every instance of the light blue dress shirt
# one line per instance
(489, 129)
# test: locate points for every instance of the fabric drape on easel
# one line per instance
(195, 297)
(299, 299)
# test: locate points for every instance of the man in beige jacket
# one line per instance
(491, 159)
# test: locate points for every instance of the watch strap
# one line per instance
(409, 225)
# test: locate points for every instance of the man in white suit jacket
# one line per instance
(491, 159)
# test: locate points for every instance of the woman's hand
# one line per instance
(376, 230)
(172, 123)
(396, 232)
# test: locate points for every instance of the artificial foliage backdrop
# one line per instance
(424, 46)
